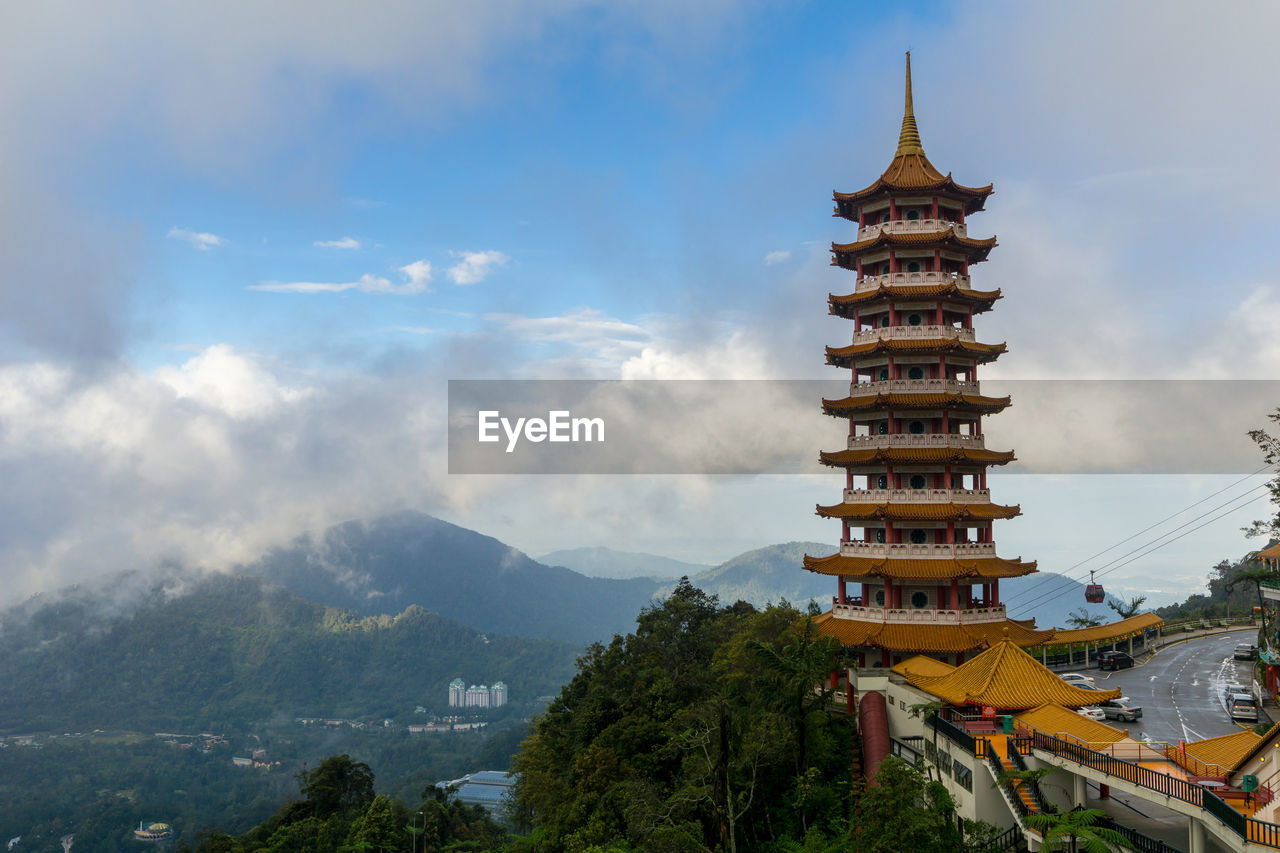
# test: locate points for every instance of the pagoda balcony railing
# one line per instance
(935, 277)
(919, 616)
(952, 333)
(910, 226)
(891, 386)
(960, 550)
(916, 496)
(906, 439)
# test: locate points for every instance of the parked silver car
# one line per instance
(1243, 708)
(1121, 709)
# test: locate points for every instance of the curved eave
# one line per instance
(920, 400)
(919, 512)
(981, 300)
(922, 568)
(840, 356)
(914, 173)
(914, 455)
(976, 250)
(935, 639)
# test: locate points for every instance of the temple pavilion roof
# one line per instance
(915, 456)
(933, 638)
(1226, 751)
(922, 665)
(949, 238)
(1055, 720)
(1006, 677)
(919, 568)
(1118, 630)
(911, 170)
(1272, 553)
(916, 400)
(983, 353)
(980, 299)
(918, 511)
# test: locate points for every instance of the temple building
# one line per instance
(943, 675)
(917, 571)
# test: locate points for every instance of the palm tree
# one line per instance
(1083, 619)
(1128, 609)
(1075, 832)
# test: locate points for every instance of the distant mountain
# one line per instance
(385, 565)
(228, 650)
(608, 563)
(1049, 598)
(769, 574)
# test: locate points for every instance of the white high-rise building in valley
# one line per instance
(457, 693)
(497, 695)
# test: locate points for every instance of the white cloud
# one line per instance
(344, 243)
(475, 267)
(776, 257)
(200, 240)
(224, 380)
(418, 275)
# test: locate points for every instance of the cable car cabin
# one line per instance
(1094, 594)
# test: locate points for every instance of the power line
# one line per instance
(1162, 544)
(1033, 588)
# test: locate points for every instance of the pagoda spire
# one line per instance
(909, 139)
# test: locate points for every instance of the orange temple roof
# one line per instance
(924, 637)
(1225, 750)
(915, 455)
(911, 169)
(916, 400)
(985, 352)
(1272, 553)
(1111, 631)
(1006, 677)
(1055, 720)
(922, 665)
(919, 511)
(947, 238)
(950, 290)
(922, 568)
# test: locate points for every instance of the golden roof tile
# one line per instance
(1006, 677)
(950, 290)
(1272, 553)
(1224, 750)
(1056, 720)
(1111, 631)
(915, 455)
(947, 237)
(923, 568)
(985, 352)
(922, 665)
(917, 400)
(919, 511)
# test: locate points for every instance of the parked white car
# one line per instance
(1093, 713)
(1076, 679)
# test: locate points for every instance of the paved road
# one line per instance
(1180, 689)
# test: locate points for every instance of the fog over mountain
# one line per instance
(602, 562)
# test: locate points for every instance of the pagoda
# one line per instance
(917, 571)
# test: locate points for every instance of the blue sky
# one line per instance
(599, 189)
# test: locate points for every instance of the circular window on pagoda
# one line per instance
(884, 374)
(916, 427)
(917, 481)
(915, 320)
(884, 269)
(919, 600)
(914, 266)
(884, 322)
(880, 536)
(913, 215)
(884, 217)
(918, 537)
(915, 373)
(883, 428)
(882, 482)
(880, 597)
